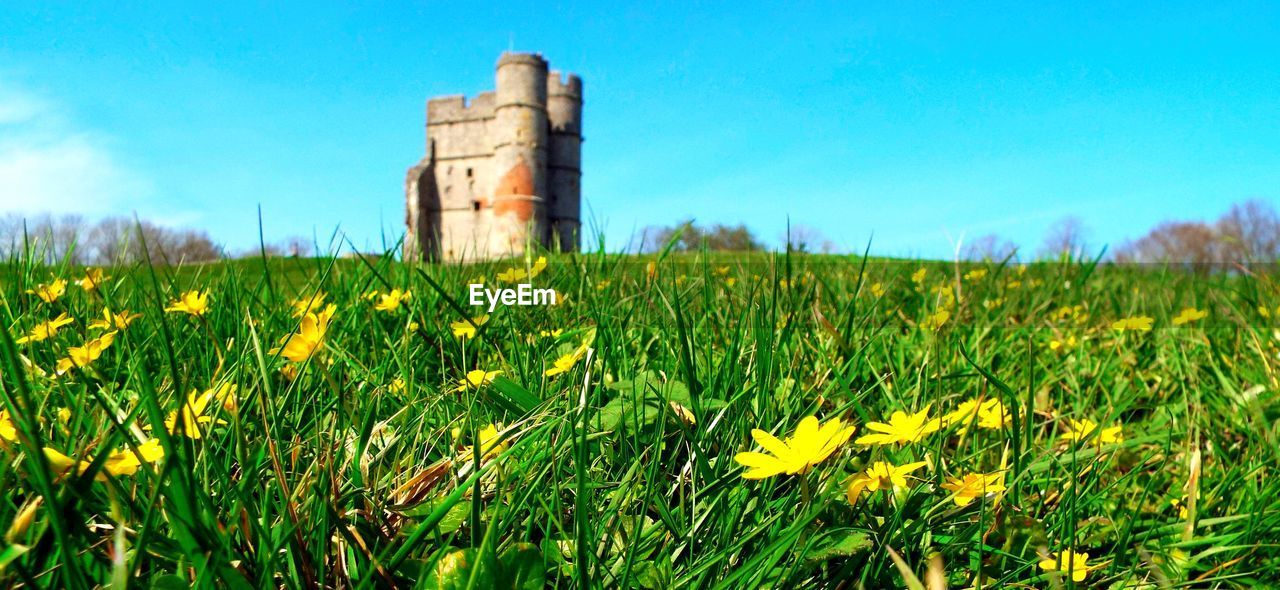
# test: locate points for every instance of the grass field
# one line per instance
(650, 430)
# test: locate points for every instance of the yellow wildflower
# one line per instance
(193, 412)
(515, 274)
(566, 362)
(300, 346)
(877, 289)
(307, 304)
(1138, 323)
(82, 356)
(8, 430)
(990, 414)
(120, 462)
(901, 428)
(975, 274)
(392, 301)
(918, 276)
(118, 321)
(1082, 428)
(490, 443)
(1063, 343)
(93, 278)
(397, 385)
(934, 321)
(1188, 315)
(811, 444)
(192, 302)
(49, 292)
(1068, 562)
(475, 379)
(465, 329)
(973, 486)
(46, 330)
(882, 474)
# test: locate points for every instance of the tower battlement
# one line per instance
(501, 171)
(454, 108)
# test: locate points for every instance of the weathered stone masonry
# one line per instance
(500, 172)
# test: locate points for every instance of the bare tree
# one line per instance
(1250, 232)
(1066, 238)
(113, 240)
(988, 247)
(804, 238)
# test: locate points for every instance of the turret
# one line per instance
(521, 148)
(564, 114)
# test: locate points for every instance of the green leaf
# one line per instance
(513, 396)
(523, 567)
(464, 569)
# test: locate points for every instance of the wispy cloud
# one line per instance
(48, 164)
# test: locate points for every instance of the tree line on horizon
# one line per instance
(1247, 232)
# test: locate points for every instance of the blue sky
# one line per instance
(916, 123)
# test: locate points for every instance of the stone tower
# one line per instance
(501, 172)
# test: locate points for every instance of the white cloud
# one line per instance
(49, 166)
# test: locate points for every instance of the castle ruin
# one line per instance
(501, 172)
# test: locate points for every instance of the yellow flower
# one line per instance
(877, 289)
(551, 333)
(1188, 315)
(1064, 343)
(307, 304)
(490, 445)
(49, 292)
(973, 486)
(975, 274)
(46, 330)
(514, 274)
(902, 428)
(934, 321)
(1138, 323)
(918, 276)
(566, 362)
(109, 320)
(392, 301)
(990, 414)
(397, 385)
(126, 462)
(289, 372)
(993, 303)
(8, 430)
(193, 410)
(1082, 428)
(475, 379)
(465, 329)
(302, 345)
(811, 444)
(882, 474)
(120, 462)
(603, 284)
(193, 302)
(93, 278)
(1068, 561)
(82, 356)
